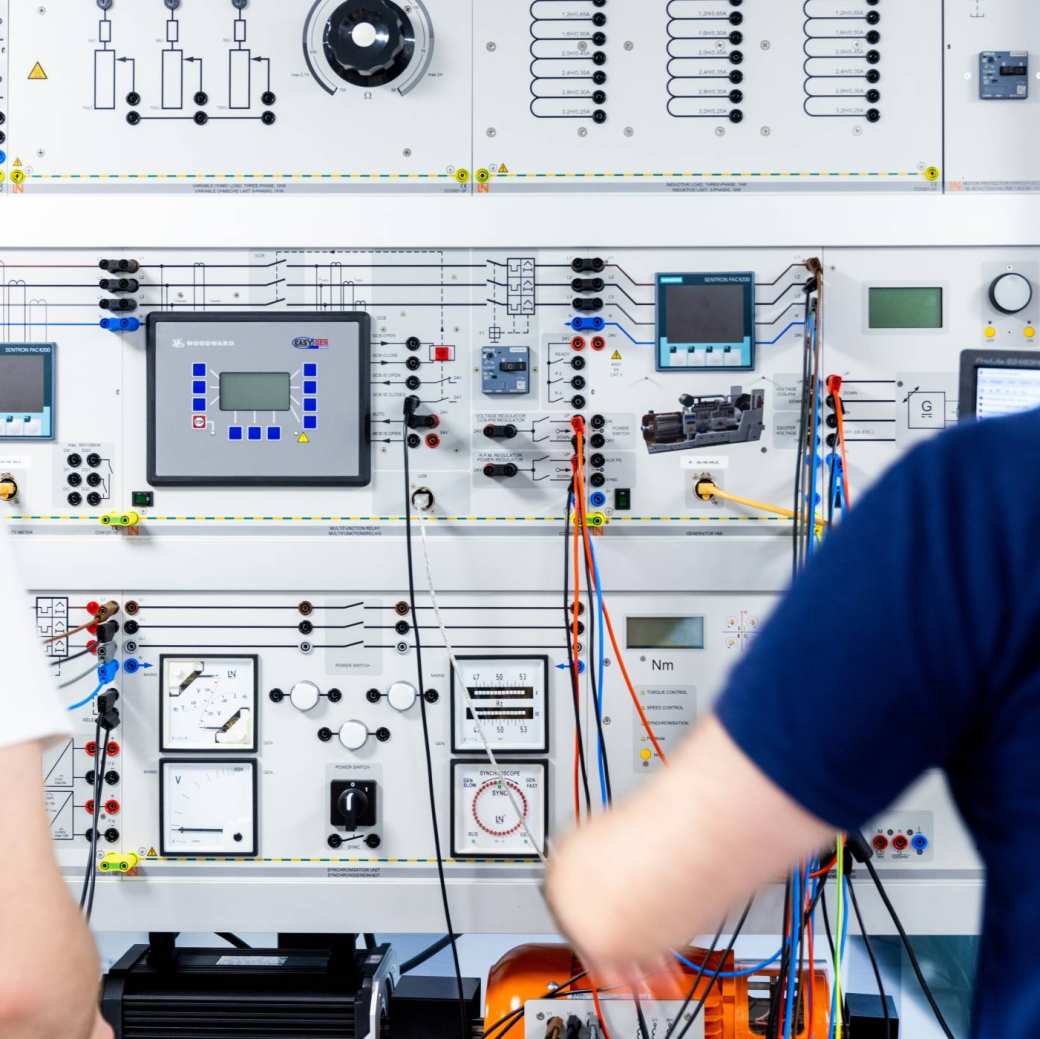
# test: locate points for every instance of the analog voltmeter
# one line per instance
(207, 807)
(509, 696)
(493, 809)
(208, 703)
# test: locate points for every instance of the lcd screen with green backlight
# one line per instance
(904, 307)
(665, 633)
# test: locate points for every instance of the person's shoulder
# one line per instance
(985, 448)
(982, 474)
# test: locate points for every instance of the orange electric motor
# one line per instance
(736, 1008)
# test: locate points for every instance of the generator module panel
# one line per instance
(258, 399)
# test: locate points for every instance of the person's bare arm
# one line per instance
(688, 846)
(48, 963)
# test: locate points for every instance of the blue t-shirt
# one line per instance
(911, 642)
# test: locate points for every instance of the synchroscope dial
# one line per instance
(368, 44)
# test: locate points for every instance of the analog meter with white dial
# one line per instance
(493, 809)
(510, 698)
(207, 807)
(208, 703)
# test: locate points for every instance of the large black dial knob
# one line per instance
(369, 42)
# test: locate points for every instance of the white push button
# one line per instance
(402, 696)
(304, 696)
(353, 734)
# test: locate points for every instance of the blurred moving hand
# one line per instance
(673, 859)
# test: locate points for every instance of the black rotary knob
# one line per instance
(369, 42)
(353, 804)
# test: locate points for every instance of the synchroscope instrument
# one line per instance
(255, 254)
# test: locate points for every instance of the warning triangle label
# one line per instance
(37, 72)
(503, 168)
(616, 355)
(304, 439)
(152, 854)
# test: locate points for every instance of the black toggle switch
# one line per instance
(423, 422)
(353, 804)
(120, 266)
(587, 285)
(119, 284)
(587, 265)
(118, 306)
(506, 432)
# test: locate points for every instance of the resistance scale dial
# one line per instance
(208, 703)
(368, 44)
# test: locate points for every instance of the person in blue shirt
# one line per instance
(910, 642)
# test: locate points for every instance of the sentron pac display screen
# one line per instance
(26, 391)
(705, 321)
(259, 399)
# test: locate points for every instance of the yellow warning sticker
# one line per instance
(152, 854)
(503, 168)
(37, 72)
(616, 355)
(17, 162)
(304, 439)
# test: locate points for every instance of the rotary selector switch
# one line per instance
(368, 44)
(353, 734)
(304, 696)
(1011, 293)
(353, 805)
(402, 696)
